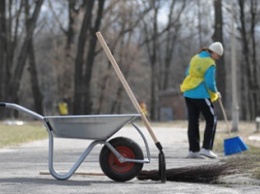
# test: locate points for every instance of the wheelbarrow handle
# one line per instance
(2, 104)
(21, 109)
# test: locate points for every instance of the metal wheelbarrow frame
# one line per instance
(98, 128)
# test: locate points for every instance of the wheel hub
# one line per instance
(118, 166)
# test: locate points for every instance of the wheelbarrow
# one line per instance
(121, 159)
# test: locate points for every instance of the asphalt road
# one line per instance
(24, 169)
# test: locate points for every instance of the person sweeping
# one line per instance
(200, 91)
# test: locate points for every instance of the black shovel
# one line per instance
(162, 165)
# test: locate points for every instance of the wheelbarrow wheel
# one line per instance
(121, 171)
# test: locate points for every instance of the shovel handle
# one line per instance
(126, 86)
(224, 114)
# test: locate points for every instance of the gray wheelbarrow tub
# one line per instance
(95, 127)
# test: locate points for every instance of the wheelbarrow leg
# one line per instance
(67, 175)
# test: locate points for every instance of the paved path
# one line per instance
(22, 168)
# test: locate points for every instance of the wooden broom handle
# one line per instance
(224, 114)
(126, 86)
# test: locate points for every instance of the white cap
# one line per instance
(217, 47)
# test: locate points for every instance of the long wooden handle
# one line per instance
(224, 114)
(125, 84)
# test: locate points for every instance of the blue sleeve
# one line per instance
(209, 78)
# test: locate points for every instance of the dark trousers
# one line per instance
(195, 107)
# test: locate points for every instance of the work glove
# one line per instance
(219, 95)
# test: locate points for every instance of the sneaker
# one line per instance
(195, 155)
(207, 153)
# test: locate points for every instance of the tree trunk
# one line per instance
(153, 61)
(79, 86)
(116, 103)
(218, 36)
(255, 73)
(103, 86)
(250, 109)
(70, 33)
(2, 49)
(90, 59)
(16, 77)
(37, 95)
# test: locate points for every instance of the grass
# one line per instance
(256, 174)
(13, 135)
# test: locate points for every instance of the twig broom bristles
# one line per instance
(209, 173)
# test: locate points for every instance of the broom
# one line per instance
(162, 165)
(232, 145)
(209, 173)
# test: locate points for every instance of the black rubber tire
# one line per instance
(116, 170)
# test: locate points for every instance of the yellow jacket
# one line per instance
(198, 66)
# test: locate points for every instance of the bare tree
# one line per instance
(3, 54)
(9, 40)
(160, 42)
(82, 90)
(218, 36)
(151, 32)
(171, 32)
(90, 58)
(37, 95)
(65, 56)
(157, 63)
(123, 45)
(123, 59)
(255, 70)
(11, 16)
(21, 61)
(78, 76)
(250, 85)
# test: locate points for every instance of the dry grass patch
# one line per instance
(13, 135)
